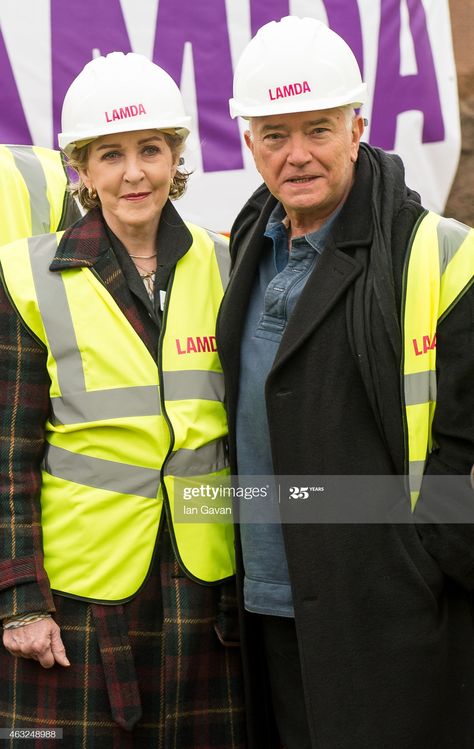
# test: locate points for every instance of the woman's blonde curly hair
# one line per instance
(80, 154)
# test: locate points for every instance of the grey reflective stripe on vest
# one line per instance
(31, 170)
(420, 387)
(129, 479)
(451, 235)
(114, 403)
(200, 384)
(93, 405)
(101, 474)
(56, 315)
(415, 474)
(221, 247)
(200, 462)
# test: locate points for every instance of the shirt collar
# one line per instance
(278, 224)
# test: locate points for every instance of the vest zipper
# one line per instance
(164, 320)
(166, 501)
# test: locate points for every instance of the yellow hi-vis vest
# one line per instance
(439, 269)
(33, 197)
(123, 430)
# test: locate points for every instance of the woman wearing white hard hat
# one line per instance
(120, 614)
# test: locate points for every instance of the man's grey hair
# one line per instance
(347, 111)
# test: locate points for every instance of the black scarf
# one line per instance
(373, 310)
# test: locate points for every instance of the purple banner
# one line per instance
(395, 93)
(13, 127)
(79, 28)
(204, 25)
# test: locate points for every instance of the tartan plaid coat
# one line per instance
(162, 670)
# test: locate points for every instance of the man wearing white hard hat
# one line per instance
(349, 307)
(119, 620)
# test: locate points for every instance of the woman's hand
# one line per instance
(39, 640)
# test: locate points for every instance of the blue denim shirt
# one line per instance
(280, 279)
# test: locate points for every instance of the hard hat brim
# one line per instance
(355, 98)
(68, 141)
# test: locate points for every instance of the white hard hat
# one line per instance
(295, 65)
(119, 93)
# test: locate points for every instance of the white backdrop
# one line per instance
(405, 51)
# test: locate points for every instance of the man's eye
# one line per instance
(273, 136)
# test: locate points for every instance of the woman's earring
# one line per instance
(92, 192)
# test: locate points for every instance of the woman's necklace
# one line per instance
(143, 273)
(147, 276)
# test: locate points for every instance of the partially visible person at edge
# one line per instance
(327, 340)
(33, 192)
(118, 620)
